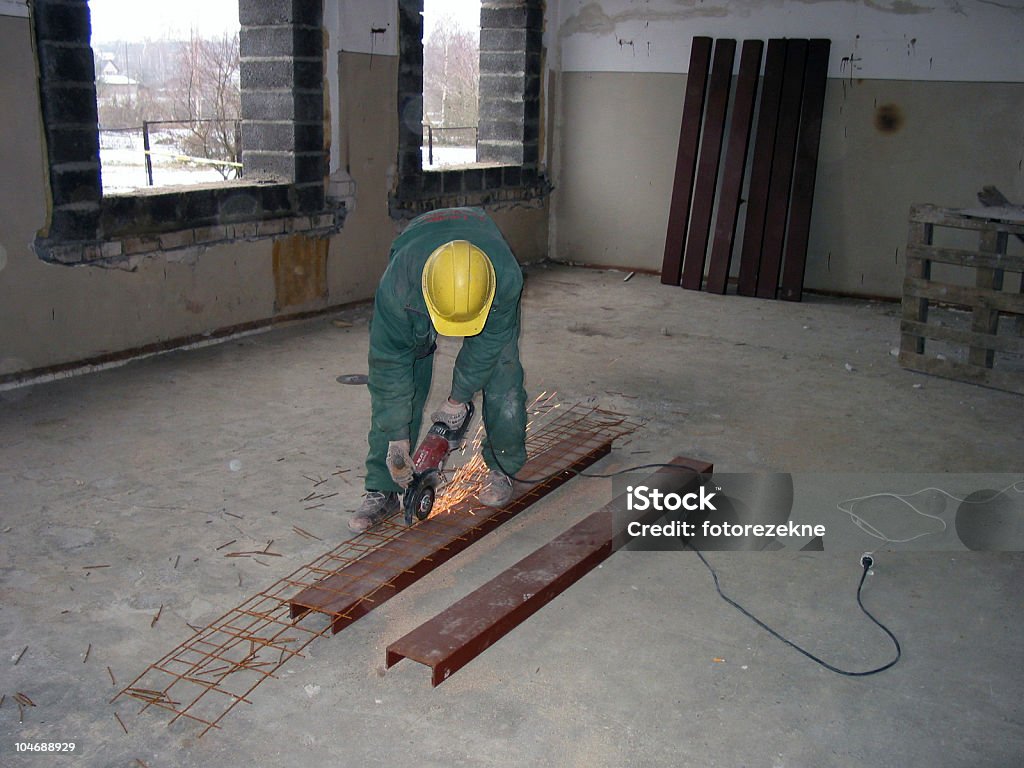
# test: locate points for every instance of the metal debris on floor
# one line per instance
(206, 676)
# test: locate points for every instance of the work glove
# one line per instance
(399, 462)
(450, 414)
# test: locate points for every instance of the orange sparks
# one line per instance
(465, 481)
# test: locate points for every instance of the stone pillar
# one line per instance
(281, 46)
(510, 52)
(410, 98)
(67, 91)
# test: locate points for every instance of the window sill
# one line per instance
(124, 251)
(483, 186)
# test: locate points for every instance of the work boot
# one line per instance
(497, 490)
(376, 506)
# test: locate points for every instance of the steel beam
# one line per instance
(382, 573)
(453, 638)
(707, 164)
(686, 160)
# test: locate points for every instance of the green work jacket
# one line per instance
(401, 330)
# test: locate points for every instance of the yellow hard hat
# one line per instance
(458, 286)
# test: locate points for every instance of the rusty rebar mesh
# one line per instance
(221, 664)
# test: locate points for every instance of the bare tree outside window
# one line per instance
(451, 83)
(209, 98)
(168, 92)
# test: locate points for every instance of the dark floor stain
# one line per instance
(586, 330)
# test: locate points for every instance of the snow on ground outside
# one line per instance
(445, 156)
(123, 163)
(125, 169)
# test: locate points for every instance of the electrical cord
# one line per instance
(866, 561)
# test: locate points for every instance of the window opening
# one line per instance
(507, 132)
(168, 92)
(451, 83)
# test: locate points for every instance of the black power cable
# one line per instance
(866, 561)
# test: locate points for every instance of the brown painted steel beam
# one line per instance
(686, 160)
(761, 169)
(735, 164)
(804, 172)
(463, 631)
(777, 213)
(382, 573)
(707, 165)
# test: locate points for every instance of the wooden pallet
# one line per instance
(987, 357)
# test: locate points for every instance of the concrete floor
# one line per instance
(150, 467)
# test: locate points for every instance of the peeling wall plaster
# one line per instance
(954, 40)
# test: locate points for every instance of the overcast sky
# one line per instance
(466, 12)
(135, 20)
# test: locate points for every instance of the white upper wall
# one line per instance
(960, 40)
(14, 8)
(363, 26)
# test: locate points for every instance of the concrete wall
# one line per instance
(368, 135)
(53, 315)
(952, 72)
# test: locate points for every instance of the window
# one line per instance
(282, 138)
(168, 92)
(506, 167)
(451, 83)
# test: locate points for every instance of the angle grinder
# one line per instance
(428, 462)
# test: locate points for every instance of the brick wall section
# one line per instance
(410, 99)
(510, 61)
(67, 94)
(281, 71)
(510, 65)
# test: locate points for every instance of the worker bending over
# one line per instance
(450, 273)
